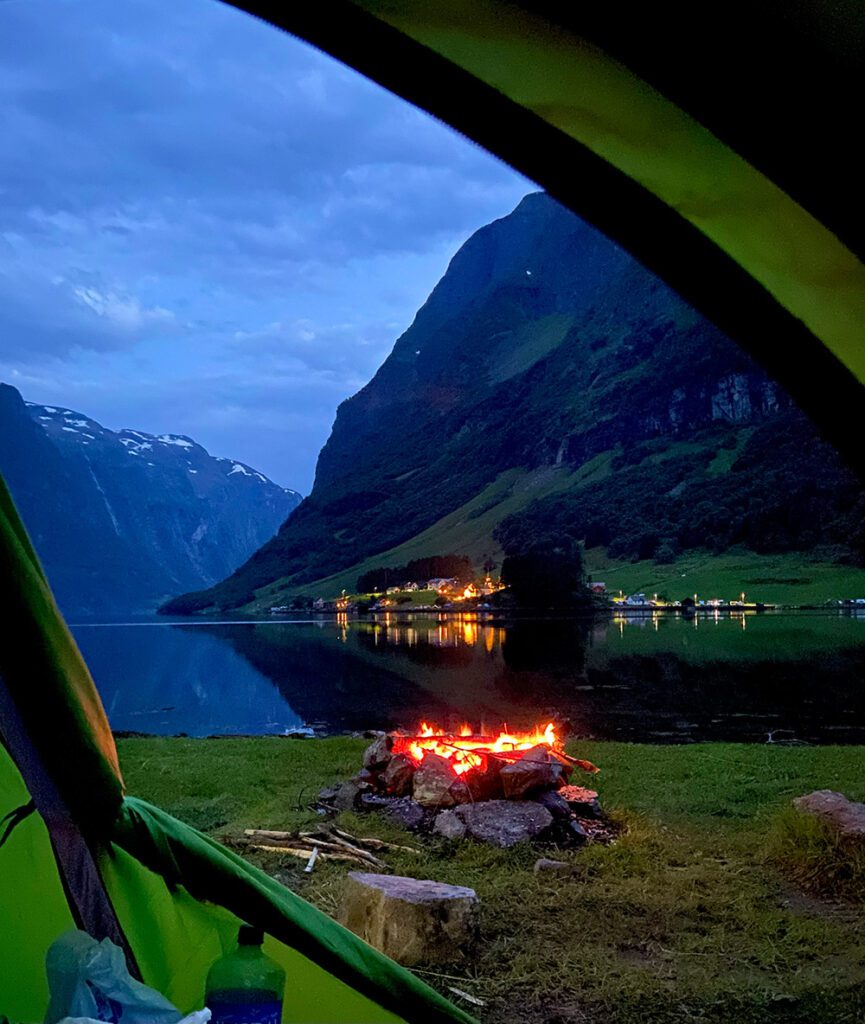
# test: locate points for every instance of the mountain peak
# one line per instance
(549, 382)
(122, 519)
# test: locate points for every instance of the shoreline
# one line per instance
(491, 614)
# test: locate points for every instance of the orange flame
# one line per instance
(468, 750)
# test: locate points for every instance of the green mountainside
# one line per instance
(552, 383)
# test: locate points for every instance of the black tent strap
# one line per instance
(14, 818)
(85, 891)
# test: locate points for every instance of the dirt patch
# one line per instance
(805, 905)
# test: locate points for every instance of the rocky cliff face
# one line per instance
(544, 347)
(121, 520)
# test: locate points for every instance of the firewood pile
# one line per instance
(499, 790)
(326, 843)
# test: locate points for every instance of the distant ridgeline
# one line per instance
(121, 520)
(551, 383)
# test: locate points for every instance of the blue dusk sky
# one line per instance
(209, 228)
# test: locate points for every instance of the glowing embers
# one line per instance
(466, 750)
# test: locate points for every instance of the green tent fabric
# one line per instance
(718, 146)
(74, 850)
(721, 153)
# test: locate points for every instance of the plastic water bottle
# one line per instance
(245, 986)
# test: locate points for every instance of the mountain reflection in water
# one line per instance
(653, 678)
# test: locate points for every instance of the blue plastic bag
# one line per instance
(88, 980)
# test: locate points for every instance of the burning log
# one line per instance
(587, 766)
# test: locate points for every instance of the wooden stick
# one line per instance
(303, 854)
(313, 857)
(339, 847)
(587, 766)
(276, 838)
(269, 834)
(465, 995)
(364, 854)
(376, 844)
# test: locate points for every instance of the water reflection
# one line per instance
(656, 676)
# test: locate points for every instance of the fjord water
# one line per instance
(658, 678)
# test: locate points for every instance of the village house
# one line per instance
(442, 584)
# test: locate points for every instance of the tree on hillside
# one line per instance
(546, 574)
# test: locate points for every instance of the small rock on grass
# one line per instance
(846, 817)
(545, 864)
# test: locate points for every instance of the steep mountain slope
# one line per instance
(120, 520)
(549, 365)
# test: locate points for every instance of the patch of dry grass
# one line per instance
(822, 862)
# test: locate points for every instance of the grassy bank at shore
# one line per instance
(717, 904)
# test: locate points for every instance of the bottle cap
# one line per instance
(249, 935)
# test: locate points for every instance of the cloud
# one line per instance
(124, 311)
(196, 202)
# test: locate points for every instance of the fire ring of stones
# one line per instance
(499, 790)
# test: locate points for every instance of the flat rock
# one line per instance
(450, 825)
(845, 816)
(436, 784)
(401, 810)
(411, 920)
(504, 823)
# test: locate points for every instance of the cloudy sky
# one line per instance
(209, 228)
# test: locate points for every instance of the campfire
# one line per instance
(498, 788)
(466, 751)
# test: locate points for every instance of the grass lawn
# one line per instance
(691, 916)
(773, 579)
